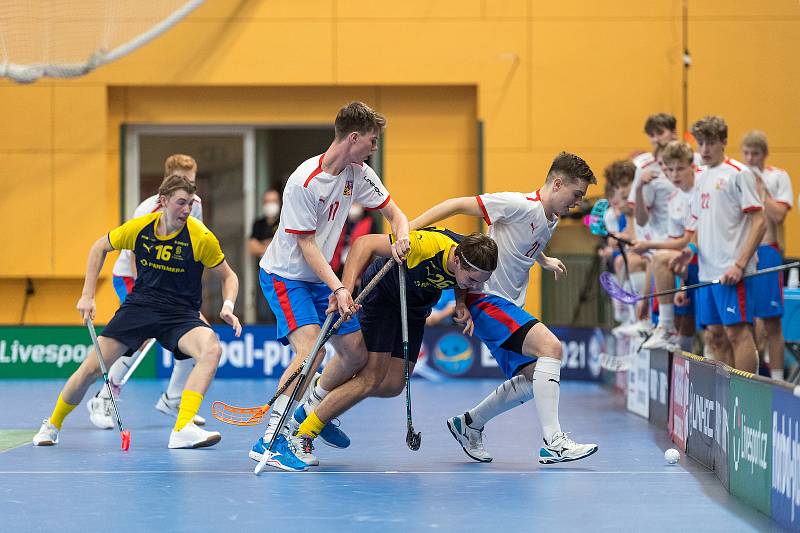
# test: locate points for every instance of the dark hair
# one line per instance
(571, 168)
(710, 128)
(659, 122)
(175, 183)
(478, 250)
(358, 117)
(620, 173)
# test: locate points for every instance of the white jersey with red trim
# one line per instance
(656, 195)
(778, 185)
(723, 195)
(679, 212)
(122, 268)
(315, 202)
(518, 224)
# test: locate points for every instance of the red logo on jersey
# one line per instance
(348, 188)
(705, 200)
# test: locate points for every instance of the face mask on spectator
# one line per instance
(271, 209)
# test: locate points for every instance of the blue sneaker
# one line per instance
(282, 455)
(330, 434)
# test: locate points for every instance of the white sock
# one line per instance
(508, 395)
(776, 373)
(546, 389)
(686, 342)
(180, 373)
(666, 316)
(275, 415)
(315, 397)
(118, 371)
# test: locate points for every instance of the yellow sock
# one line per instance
(60, 412)
(190, 404)
(311, 426)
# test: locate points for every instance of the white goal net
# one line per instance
(68, 38)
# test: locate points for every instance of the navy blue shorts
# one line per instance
(133, 324)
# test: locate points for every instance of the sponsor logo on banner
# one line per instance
(720, 445)
(638, 383)
(47, 351)
(679, 401)
(659, 387)
(750, 437)
(701, 412)
(786, 458)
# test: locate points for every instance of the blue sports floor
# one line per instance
(87, 483)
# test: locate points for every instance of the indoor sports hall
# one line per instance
(400, 266)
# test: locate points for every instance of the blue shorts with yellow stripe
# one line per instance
(298, 303)
(496, 319)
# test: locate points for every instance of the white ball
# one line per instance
(672, 456)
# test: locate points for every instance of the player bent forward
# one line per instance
(171, 251)
(439, 259)
(528, 353)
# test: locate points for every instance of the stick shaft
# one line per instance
(128, 373)
(103, 369)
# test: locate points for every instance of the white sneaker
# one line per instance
(662, 338)
(171, 406)
(303, 448)
(640, 328)
(47, 436)
(192, 436)
(100, 410)
(470, 439)
(562, 449)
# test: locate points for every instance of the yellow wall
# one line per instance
(542, 76)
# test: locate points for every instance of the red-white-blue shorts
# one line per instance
(768, 288)
(725, 305)
(123, 285)
(496, 319)
(298, 303)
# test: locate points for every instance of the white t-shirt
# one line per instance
(656, 196)
(679, 212)
(723, 195)
(520, 228)
(611, 220)
(122, 268)
(315, 202)
(778, 184)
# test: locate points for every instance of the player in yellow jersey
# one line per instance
(439, 259)
(172, 249)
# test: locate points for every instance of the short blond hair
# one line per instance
(179, 162)
(677, 151)
(174, 183)
(756, 139)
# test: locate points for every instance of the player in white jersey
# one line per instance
(673, 320)
(775, 189)
(124, 276)
(297, 279)
(528, 353)
(728, 218)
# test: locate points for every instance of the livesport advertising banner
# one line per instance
(47, 351)
(786, 458)
(445, 353)
(750, 442)
(701, 412)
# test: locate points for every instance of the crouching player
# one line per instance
(439, 259)
(171, 250)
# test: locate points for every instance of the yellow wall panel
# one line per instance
(606, 9)
(411, 9)
(431, 52)
(53, 301)
(26, 214)
(265, 9)
(597, 90)
(430, 118)
(27, 118)
(507, 8)
(79, 118)
(726, 9)
(80, 193)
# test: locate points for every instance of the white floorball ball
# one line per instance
(672, 456)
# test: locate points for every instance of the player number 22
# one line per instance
(332, 209)
(164, 252)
